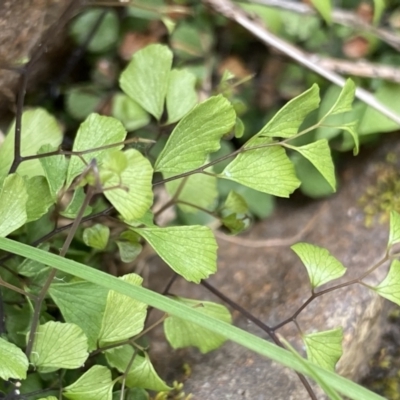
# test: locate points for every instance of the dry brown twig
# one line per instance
(342, 17)
(257, 28)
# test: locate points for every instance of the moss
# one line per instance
(384, 195)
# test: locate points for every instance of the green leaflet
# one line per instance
(181, 94)
(145, 79)
(321, 266)
(319, 154)
(95, 384)
(96, 131)
(394, 233)
(16, 365)
(287, 120)
(181, 333)
(141, 373)
(13, 201)
(191, 251)
(59, 345)
(123, 317)
(96, 236)
(267, 170)
(38, 128)
(324, 348)
(135, 196)
(198, 189)
(196, 136)
(83, 304)
(389, 288)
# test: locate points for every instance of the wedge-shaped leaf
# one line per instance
(191, 251)
(96, 131)
(351, 128)
(130, 113)
(83, 304)
(324, 7)
(324, 348)
(96, 236)
(38, 128)
(14, 364)
(267, 170)
(141, 373)
(128, 251)
(379, 8)
(13, 199)
(196, 136)
(394, 233)
(236, 203)
(123, 316)
(181, 333)
(344, 100)
(59, 345)
(198, 189)
(136, 196)
(75, 205)
(39, 197)
(312, 373)
(55, 170)
(321, 266)
(389, 288)
(146, 78)
(287, 120)
(181, 94)
(95, 384)
(319, 154)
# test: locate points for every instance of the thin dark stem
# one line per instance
(52, 274)
(261, 325)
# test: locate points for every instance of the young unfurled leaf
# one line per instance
(128, 251)
(181, 94)
(135, 196)
(146, 78)
(141, 373)
(130, 113)
(38, 128)
(236, 203)
(83, 304)
(96, 236)
(74, 206)
(39, 197)
(234, 213)
(389, 288)
(268, 170)
(55, 170)
(196, 136)
(198, 189)
(96, 131)
(324, 7)
(59, 345)
(95, 384)
(324, 348)
(191, 251)
(181, 333)
(394, 234)
(344, 101)
(321, 266)
(351, 129)
(319, 154)
(14, 364)
(13, 200)
(287, 120)
(123, 316)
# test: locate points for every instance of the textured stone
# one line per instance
(271, 283)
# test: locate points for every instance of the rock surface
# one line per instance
(271, 283)
(22, 28)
